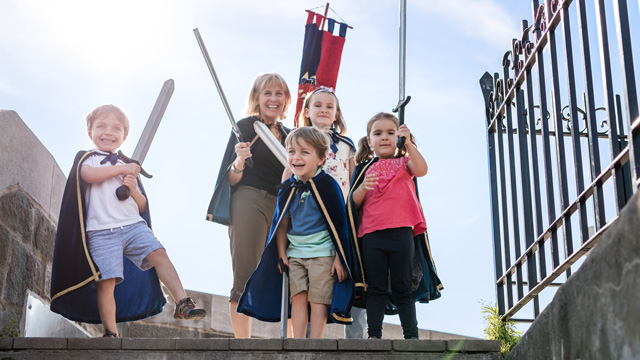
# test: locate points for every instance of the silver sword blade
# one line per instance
(151, 127)
(271, 141)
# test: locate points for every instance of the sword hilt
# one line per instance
(122, 192)
(249, 161)
(400, 110)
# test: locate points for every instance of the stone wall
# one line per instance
(31, 185)
(596, 313)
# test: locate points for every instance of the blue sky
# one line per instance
(62, 59)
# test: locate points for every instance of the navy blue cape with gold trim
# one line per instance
(73, 271)
(425, 288)
(262, 296)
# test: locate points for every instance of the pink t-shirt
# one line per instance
(393, 202)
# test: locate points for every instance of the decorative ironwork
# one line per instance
(536, 125)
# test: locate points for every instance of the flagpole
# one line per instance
(402, 100)
(326, 11)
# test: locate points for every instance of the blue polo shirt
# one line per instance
(308, 234)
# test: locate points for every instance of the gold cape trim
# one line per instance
(353, 228)
(331, 225)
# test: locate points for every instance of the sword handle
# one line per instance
(400, 110)
(123, 193)
(249, 161)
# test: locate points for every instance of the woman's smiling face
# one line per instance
(271, 101)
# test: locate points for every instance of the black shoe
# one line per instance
(375, 337)
(109, 334)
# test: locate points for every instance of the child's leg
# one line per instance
(319, 314)
(320, 293)
(376, 272)
(107, 303)
(167, 273)
(299, 314)
(186, 309)
(400, 260)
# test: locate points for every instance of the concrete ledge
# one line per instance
(6, 343)
(364, 345)
(419, 345)
(94, 344)
(149, 344)
(39, 343)
(202, 344)
(253, 349)
(310, 344)
(473, 345)
(255, 344)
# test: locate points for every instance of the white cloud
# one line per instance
(484, 19)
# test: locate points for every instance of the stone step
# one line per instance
(258, 349)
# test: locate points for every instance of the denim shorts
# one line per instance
(107, 247)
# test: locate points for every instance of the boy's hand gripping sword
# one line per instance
(234, 126)
(148, 133)
(403, 101)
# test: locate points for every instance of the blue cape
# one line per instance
(262, 296)
(426, 284)
(73, 271)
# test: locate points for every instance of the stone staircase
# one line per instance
(222, 348)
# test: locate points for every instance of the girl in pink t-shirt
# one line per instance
(383, 193)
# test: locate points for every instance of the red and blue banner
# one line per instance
(321, 56)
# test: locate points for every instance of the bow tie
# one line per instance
(112, 158)
(335, 139)
(297, 184)
(302, 186)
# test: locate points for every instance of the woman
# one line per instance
(245, 197)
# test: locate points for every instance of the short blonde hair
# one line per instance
(109, 109)
(312, 136)
(261, 82)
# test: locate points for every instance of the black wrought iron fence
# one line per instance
(563, 137)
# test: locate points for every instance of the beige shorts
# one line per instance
(312, 275)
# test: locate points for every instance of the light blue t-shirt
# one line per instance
(308, 235)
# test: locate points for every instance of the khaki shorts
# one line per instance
(312, 275)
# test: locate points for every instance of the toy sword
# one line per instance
(271, 141)
(148, 133)
(403, 101)
(234, 126)
(284, 309)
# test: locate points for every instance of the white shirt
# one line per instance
(104, 210)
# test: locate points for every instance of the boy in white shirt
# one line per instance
(111, 228)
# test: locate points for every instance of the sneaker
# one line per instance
(186, 310)
(109, 334)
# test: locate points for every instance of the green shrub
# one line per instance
(496, 329)
(11, 331)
